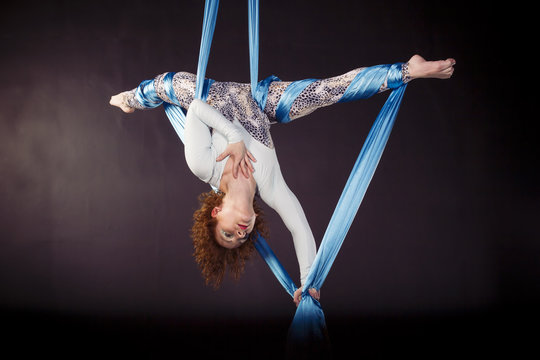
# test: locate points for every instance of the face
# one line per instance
(233, 226)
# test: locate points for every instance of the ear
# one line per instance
(215, 211)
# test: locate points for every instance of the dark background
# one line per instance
(95, 259)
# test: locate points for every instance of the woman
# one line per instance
(230, 126)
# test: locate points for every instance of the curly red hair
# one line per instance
(213, 259)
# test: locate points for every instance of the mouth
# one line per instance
(243, 227)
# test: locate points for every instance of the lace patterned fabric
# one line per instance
(234, 100)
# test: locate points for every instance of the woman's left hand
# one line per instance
(241, 157)
(298, 295)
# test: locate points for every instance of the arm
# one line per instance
(276, 194)
(199, 152)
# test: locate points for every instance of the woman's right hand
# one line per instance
(241, 157)
(297, 297)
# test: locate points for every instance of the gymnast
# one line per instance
(228, 145)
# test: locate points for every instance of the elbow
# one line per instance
(202, 174)
(198, 168)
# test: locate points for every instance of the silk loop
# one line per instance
(287, 99)
(146, 94)
(260, 94)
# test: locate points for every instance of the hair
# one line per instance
(212, 258)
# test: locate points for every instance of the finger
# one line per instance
(251, 157)
(244, 169)
(296, 298)
(235, 170)
(249, 169)
(249, 164)
(222, 156)
(315, 294)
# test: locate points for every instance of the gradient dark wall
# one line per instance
(96, 204)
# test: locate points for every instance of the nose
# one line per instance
(241, 233)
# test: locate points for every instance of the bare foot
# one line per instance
(118, 101)
(420, 68)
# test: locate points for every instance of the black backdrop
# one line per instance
(95, 257)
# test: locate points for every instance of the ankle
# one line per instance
(405, 73)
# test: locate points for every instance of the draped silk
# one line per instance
(253, 20)
(209, 24)
(308, 327)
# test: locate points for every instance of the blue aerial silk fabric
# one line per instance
(307, 333)
(308, 329)
(209, 24)
(287, 99)
(253, 22)
(274, 264)
(260, 94)
(147, 96)
(309, 310)
(146, 93)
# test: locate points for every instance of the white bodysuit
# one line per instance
(201, 150)
(230, 115)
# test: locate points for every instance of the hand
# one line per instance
(298, 295)
(241, 158)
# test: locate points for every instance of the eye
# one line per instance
(227, 234)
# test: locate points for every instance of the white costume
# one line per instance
(201, 150)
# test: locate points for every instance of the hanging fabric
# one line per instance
(146, 93)
(308, 325)
(209, 24)
(253, 23)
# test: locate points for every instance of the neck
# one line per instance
(239, 192)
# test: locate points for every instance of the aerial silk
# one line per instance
(146, 93)
(308, 327)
